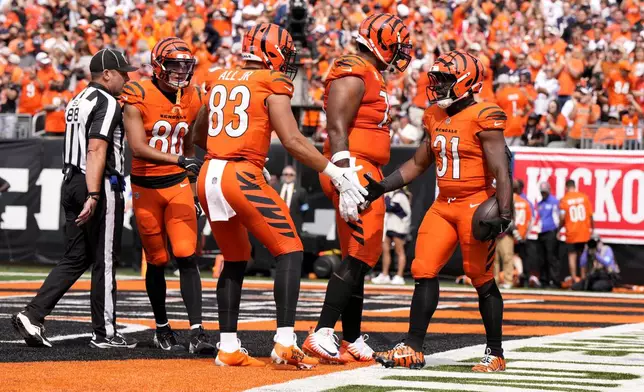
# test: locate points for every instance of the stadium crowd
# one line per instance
(562, 70)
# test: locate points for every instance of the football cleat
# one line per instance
(292, 355)
(490, 363)
(323, 344)
(32, 332)
(237, 358)
(117, 341)
(357, 351)
(200, 343)
(402, 356)
(166, 339)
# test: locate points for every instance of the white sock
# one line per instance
(229, 342)
(285, 336)
(196, 326)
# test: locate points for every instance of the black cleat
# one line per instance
(32, 332)
(118, 341)
(200, 343)
(166, 339)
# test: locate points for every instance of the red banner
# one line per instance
(613, 180)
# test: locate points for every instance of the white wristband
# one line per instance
(338, 156)
(332, 170)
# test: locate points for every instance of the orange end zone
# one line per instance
(149, 375)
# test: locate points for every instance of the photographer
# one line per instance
(599, 270)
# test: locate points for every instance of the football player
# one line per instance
(243, 107)
(158, 115)
(357, 109)
(466, 142)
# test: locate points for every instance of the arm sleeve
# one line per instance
(107, 116)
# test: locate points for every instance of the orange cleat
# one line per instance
(237, 358)
(490, 363)
(292, 355)
(323, 344)
(402, 356)
(357, 351)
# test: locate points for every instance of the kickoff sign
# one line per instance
(613, 180)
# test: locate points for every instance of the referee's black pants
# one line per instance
(98, 242)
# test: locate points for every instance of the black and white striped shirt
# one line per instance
(94, 113)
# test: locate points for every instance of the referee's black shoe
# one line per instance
(117, 341)
(33, 332)
(200, 343)
(166, 339)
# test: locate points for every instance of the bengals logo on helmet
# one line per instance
(272, 46)
(172, 62)
(386, 36)
(453, 76)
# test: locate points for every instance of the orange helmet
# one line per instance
(272, 46)
(453, 76)
(172, 62)
(386, 36)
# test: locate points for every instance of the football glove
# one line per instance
(265, 172)
(348, 209)
(345, 182)
(497, 227)
(198, 207)
(192, 164)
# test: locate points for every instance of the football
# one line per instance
(489, 209)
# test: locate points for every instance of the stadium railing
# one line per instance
(612, 137)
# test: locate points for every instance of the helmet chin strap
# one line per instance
(447, 102)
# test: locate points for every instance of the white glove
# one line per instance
(346, 182)
(348, 209)
(266, 173)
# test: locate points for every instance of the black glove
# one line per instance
(375, 190)
(192, 164)
(198, 207)
(497, 227)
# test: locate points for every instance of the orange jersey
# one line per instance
(586, 114)
(461, 168)
(618, 88)
(522, 215)
(30, 100)
(513, 100)
(578, 212)
(55, 120)
(239, 126)
(369, 131)
(166, 123)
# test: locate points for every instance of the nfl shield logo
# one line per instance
(449, 120)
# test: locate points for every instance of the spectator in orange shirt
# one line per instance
(311, 118)
(577, 218)
(554, 124)
(13, 70)
(618, 84)
(54, 100)
(581, 111)
(30, 100)
(46, 70)
(514, 102)
(568, 71)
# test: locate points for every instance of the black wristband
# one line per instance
(393, 181)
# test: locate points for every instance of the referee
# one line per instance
(92, 197)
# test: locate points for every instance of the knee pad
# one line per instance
(352, 270)
(419, 270)
(186, 263)
(183, 249)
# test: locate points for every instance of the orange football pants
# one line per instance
(258, 208)
(362, 239)
(448, 223)
(167, 212)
